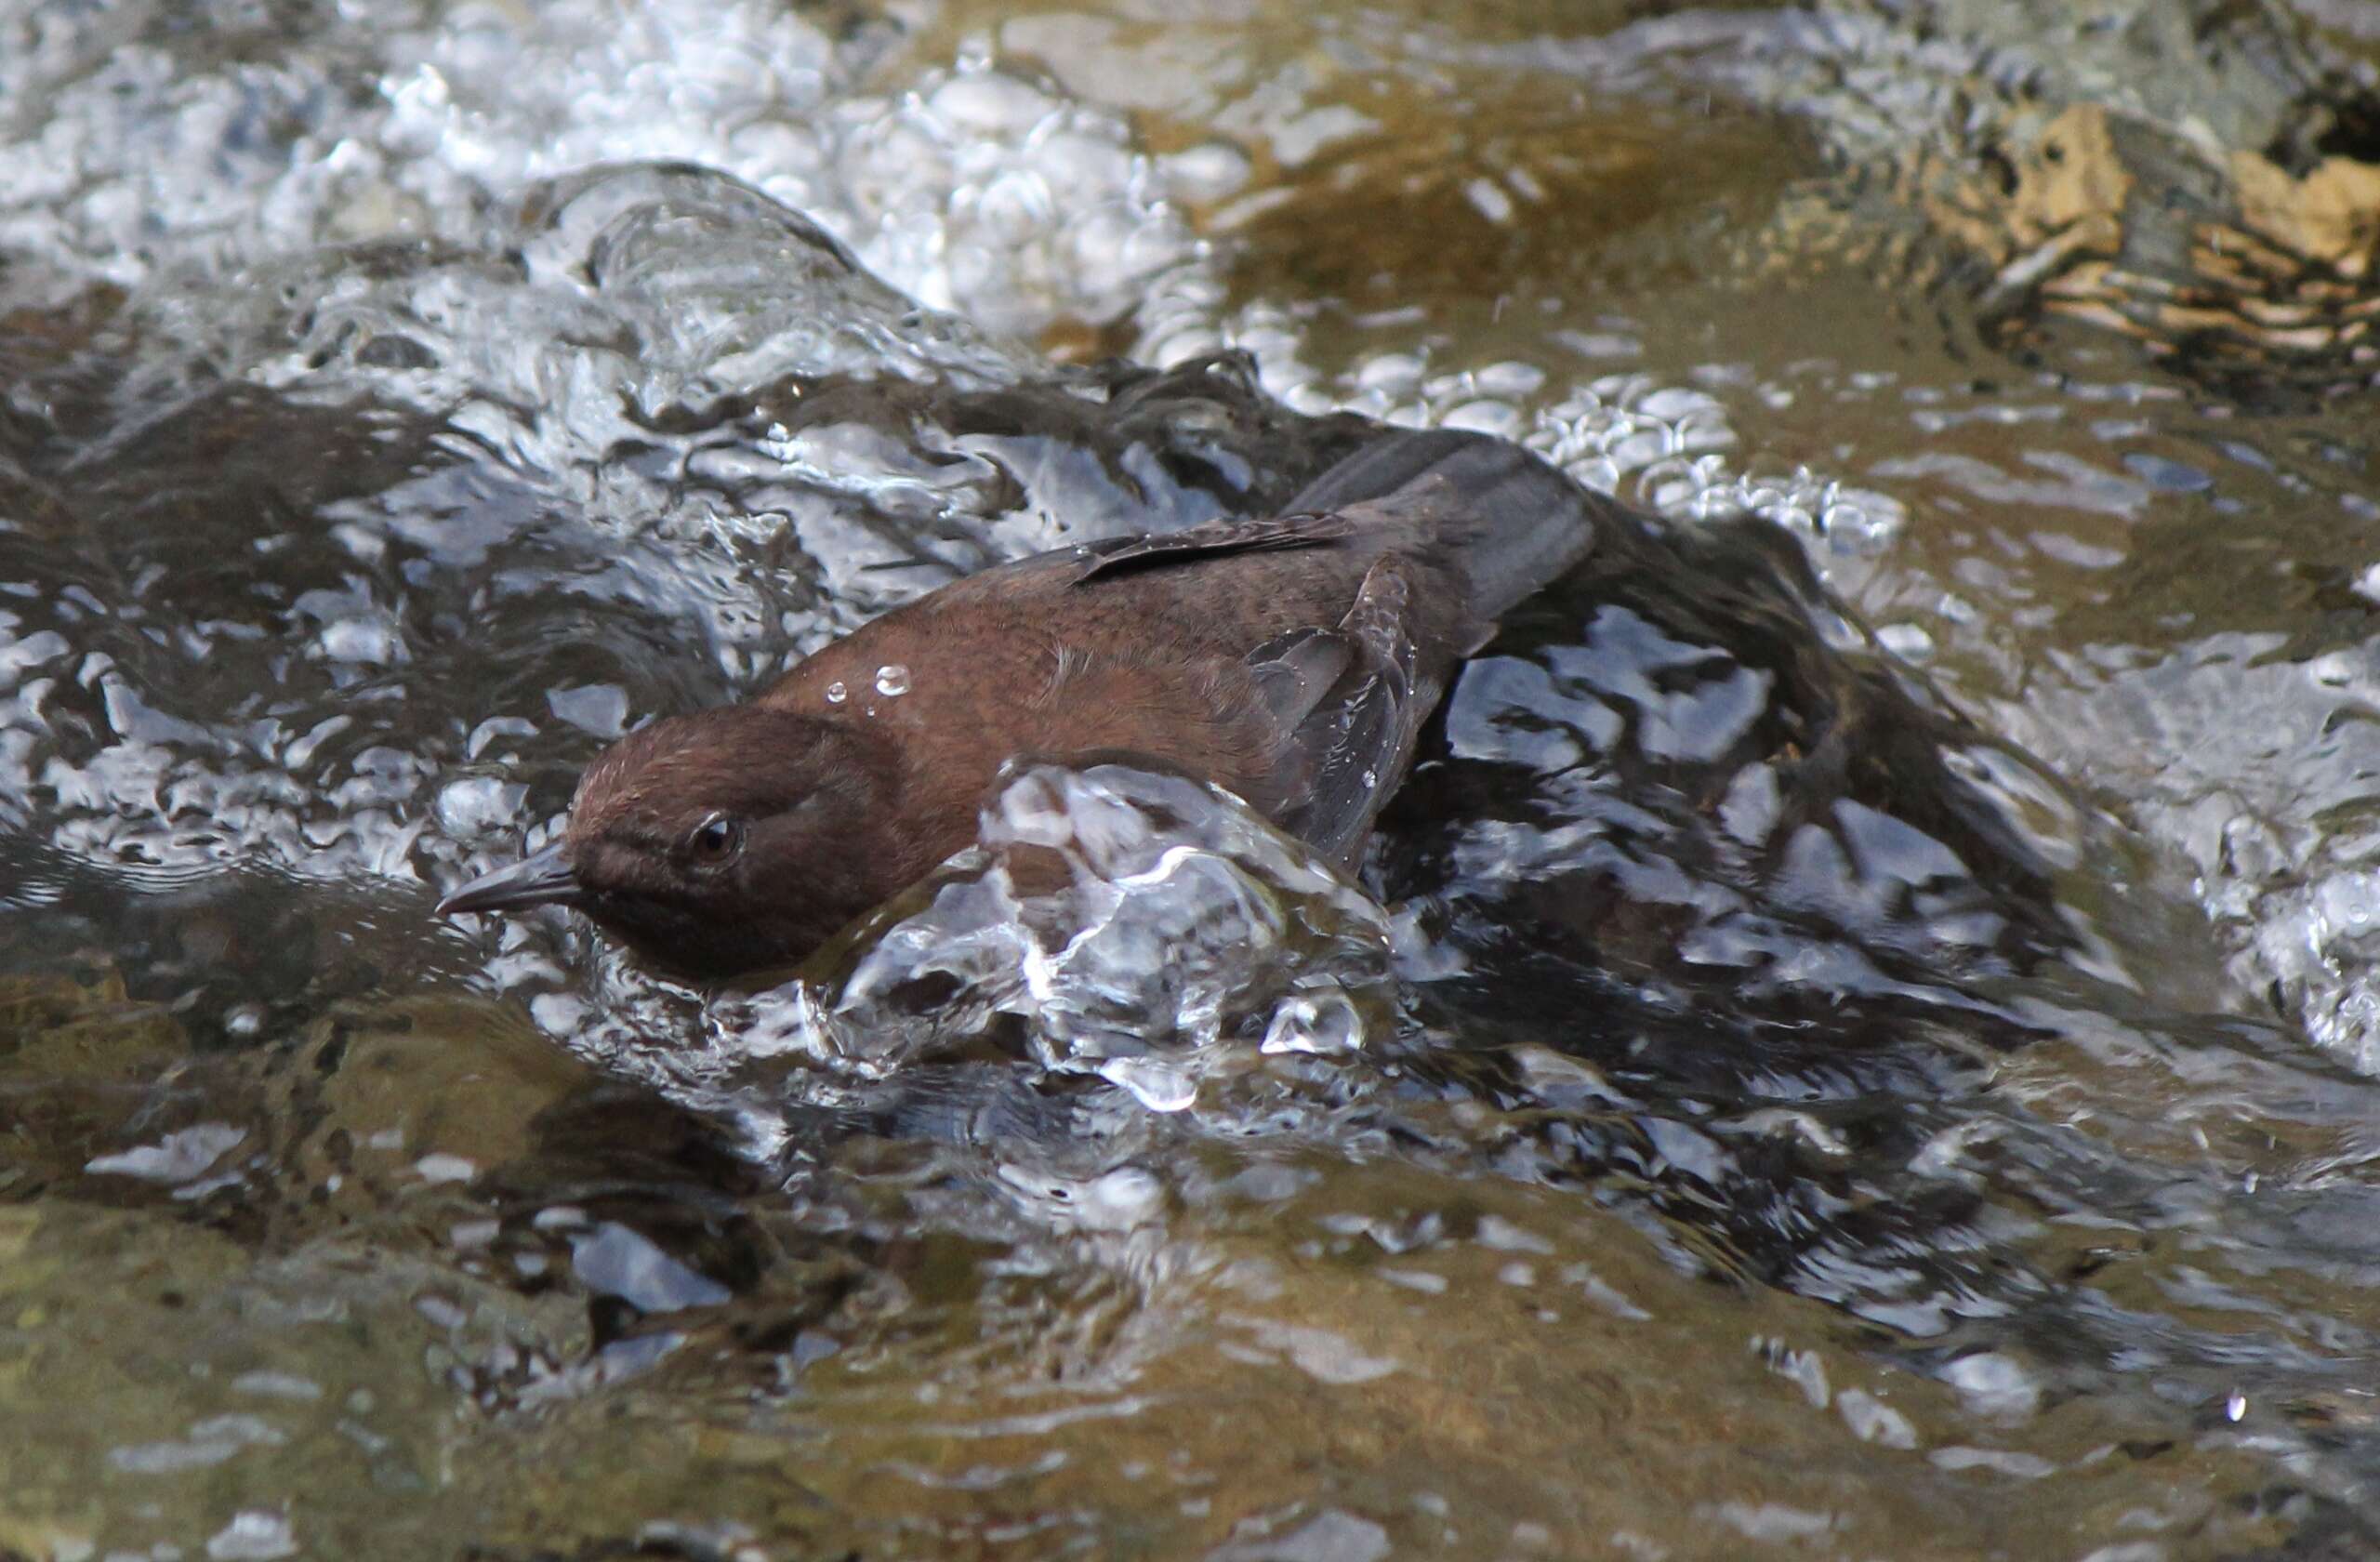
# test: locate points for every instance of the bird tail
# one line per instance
(1515, 522)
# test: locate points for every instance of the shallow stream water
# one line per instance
(1859, 1039)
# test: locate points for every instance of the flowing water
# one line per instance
(1859, 1039)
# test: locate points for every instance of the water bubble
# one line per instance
(1160, 1087)
(1995, 1385)
(1118, 1200)
(891, 679)
(478, 804)
(1908, 641)
(366, 640)
(1306, 1024)
(599, 708)
(256, 1534)
(836, 692)
(177, 1157)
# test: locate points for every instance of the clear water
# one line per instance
(1886, 1073)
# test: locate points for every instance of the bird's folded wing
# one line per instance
(1347, 698)
(1210, 540)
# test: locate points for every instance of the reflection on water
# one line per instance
(1883, 1082)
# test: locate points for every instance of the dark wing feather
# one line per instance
(1215, 538)
(1348, 697)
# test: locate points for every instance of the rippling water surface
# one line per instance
(1859, 1039)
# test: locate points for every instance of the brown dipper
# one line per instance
(1291, 659)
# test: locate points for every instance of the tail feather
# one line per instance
(1515, 522)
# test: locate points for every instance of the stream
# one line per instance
(1858, 1040)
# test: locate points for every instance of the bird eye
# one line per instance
(716, 838)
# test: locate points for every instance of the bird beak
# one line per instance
(542, 879)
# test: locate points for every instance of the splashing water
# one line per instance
(1143, 927)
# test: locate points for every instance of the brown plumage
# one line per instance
(1293, 659)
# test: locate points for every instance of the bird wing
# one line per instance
(1348, 700)
(1215, 538)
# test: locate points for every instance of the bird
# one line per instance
(1290, 658)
